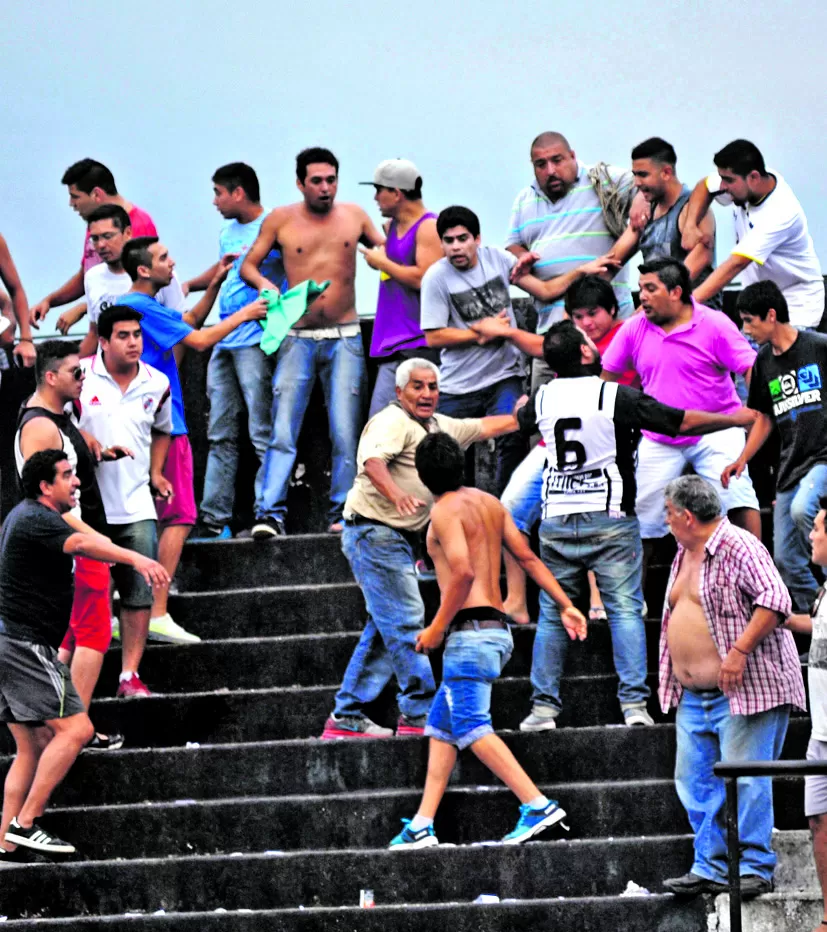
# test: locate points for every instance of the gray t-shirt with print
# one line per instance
(453, 298)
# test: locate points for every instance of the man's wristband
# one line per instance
(25, 340)
(744, 652)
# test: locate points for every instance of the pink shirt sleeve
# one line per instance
(731, 347)
(142, 224)
(618, 357)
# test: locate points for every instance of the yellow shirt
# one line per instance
(392, 436)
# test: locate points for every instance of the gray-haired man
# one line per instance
(385, 511)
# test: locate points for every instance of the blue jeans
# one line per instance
(461, 713)
(384, 389)
(612, 549)
(238, 382)
(498, 398)
(793, 519)
(382, 561)
(523, 496)
(340, 364)
(707, 733)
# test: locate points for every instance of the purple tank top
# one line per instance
(396, 327)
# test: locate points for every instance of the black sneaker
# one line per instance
(691, 885)
(37, 839)
(752, 885)
(105, 742)
(203, 531)
(267, 528)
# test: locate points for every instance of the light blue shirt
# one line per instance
(236, 293)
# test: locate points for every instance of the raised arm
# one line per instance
(556, 287)
(722, 276)
(196, 315)
(265, 241)
(703, 254)
(697, 206)
(200, 282)
(428, 250)
(24, 350)
(201, 340)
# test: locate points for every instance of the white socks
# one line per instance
(419, 822)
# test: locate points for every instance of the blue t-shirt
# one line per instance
(236, 293)
(162, 329)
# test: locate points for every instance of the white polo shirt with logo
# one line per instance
(127, 419)
(774, 235)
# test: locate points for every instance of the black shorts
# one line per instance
(34, 685)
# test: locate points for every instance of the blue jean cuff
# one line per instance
(464, 741)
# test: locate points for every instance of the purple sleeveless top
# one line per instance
(396, 327)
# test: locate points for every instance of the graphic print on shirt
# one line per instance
(796, 391)
(486, 301)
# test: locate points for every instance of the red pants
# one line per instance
(90, 625)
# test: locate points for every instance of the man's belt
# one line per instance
(326, 333)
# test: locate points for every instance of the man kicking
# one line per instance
(468, 531)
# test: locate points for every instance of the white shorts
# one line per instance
(659, 463)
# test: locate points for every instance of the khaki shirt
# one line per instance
(392, 436)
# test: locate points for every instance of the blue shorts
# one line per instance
(461, 710)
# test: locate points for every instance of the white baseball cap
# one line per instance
(395, 173)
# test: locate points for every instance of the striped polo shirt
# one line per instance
(566, 234)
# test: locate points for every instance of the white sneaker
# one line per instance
(165, 629)
(116, 627)
(542, 718)
(637, 715)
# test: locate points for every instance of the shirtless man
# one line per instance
(318, 240)
(733, 673)
(468, 531)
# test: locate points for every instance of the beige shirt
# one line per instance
(392, 436)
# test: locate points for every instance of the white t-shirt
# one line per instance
(125, 419)
(817, 669)
(775, 236)
(103, 287)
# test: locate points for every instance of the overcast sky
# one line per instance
(165, 92)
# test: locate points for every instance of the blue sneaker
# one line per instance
(533, 821)
(407, 838)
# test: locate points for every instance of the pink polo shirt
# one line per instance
(690, 367)
(142, 225)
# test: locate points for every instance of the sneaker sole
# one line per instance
(264, 533)
(330, 734)
(552, 819)
(550, 725)
(25, 842)
(428, 842)
(172, 639)
(407, 731)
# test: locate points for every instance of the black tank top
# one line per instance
(91, 504)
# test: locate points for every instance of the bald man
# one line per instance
(558, 219)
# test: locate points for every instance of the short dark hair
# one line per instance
(114, 314)
(440, 463)
(50, 356)
(113, 212)
(136, 252)
(87, 174)
(741, 157)
(561, 348)
(673, 274)
(310, 156)
(656, 149)
(590, 292)
(456, 216)
(40, 467)
(758, 298)
(238, 175)
(415, 194)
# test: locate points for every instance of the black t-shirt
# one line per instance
(789, 389)
(36, 583)
(91, 503)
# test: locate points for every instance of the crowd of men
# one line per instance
(625, 403)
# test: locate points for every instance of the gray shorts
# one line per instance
(815, 785)
(34, 685)
(142, 537)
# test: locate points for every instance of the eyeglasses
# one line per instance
(77, 373)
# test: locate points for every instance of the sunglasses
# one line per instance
(77, 373)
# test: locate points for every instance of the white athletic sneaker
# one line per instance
(542, 718)
(165, 629)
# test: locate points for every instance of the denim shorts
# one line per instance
(461, 710)
(142, 537)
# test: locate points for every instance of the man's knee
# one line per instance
(76, 728)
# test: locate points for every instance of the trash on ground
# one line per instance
(635, 889)
(192, 744)
(487, 898)
(366, 900)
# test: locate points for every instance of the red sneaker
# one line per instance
(132, 688)
(405, 727)
(353, 727)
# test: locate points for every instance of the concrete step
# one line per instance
(273, 768)
(360, 819)
(281, 561)
(321, 659)
(580, 868)
(774, 912)
(657, 913)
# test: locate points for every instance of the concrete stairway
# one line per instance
(222, 812)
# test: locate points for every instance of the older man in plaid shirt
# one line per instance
(733, 673)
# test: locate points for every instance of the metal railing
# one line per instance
(730, 771)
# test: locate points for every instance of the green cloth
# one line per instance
(283, 310)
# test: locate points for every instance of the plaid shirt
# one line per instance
(737, 575)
